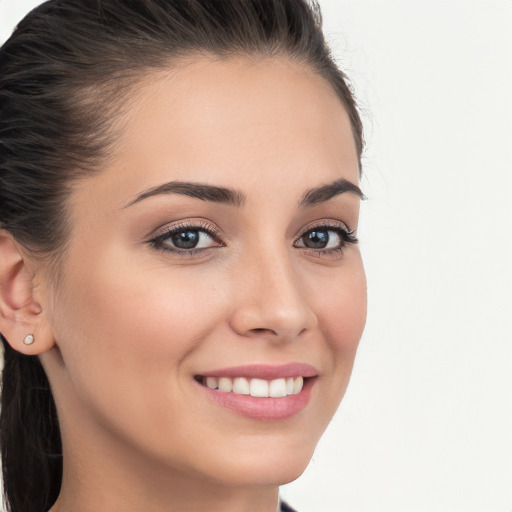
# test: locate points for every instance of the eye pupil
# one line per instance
(316, 239)
(186, 239)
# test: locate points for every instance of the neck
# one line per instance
(79, 500)
(108, 476)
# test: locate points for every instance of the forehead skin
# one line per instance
(223, 95)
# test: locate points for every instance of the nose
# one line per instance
(271, 301)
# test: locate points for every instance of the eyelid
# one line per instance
(326, 224)
(198, 224)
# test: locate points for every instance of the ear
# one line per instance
(20, 313)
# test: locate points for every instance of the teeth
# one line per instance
(257, 387)
(241, 386)
(212, 382)
(225, 384)
(297, 385)
(277, 388)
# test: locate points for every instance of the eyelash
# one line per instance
(158, 242)
(347, 237)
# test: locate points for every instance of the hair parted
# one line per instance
(65, 73)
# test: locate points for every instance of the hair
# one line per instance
(64, 74)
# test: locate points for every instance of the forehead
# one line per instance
(245, 123)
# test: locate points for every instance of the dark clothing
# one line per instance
(286, 508)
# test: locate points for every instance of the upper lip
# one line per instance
(264, 371)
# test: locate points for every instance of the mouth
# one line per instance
(258, 388)
(261, 392)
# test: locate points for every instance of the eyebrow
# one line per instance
(325, 192)
(232, 197)
(196, 190)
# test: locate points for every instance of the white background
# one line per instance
(426, 424)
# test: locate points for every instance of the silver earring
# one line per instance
(29, 339)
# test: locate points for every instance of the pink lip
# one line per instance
(265, 409)
(263, 371)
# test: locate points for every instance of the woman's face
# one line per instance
(214, 250)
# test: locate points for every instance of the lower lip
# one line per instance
(266, 408)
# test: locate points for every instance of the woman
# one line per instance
(182, 294)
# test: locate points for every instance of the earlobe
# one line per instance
(22, 319)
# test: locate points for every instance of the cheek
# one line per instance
(127, 334)
(131, 324)
(343, 311)
(339, 300)
(342, 317)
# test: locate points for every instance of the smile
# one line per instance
(260, 392)
(259, 388)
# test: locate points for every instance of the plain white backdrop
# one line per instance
(426, 424)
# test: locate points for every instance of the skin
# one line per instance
(130, 325)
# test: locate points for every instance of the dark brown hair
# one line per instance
(63, 74)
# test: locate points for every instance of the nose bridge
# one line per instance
(272, 299)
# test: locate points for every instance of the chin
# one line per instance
(269, 476)
(265, 467)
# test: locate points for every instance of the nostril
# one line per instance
(261, 330)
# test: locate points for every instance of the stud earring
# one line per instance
(29, 339)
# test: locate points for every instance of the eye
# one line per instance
(186, 239)
(326, 239)
(190, 239)
(321, 239)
